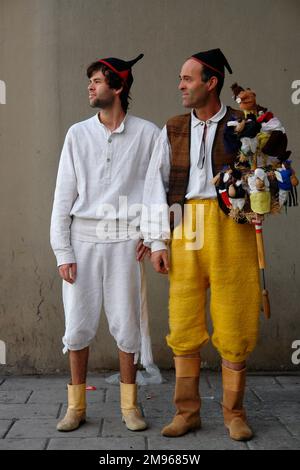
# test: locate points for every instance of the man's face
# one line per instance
(195, 92)
(100, 94)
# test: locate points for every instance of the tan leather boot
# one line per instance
(131, 414)
(187, 399)
(75, 415)
(233, 394)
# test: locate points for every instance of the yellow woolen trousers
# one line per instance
(227, 264)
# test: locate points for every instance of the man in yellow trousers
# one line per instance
(189, 152)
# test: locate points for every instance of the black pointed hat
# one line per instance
(121, 67)
(214, 59)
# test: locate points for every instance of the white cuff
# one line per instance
(158, 245)
(65, 258)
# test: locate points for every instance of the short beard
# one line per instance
(102, 104)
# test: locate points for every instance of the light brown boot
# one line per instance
(233, 394)
(187, 399)
(75, 415)
(131, 414)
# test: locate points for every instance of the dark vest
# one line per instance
(179, 135)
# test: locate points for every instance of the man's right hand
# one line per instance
(160, 261)
(68, 272)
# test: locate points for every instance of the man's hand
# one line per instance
(142, 251)
(68, 272)
(259, 218)
(160, 261)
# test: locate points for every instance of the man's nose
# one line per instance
(181, 85)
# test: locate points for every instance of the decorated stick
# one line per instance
(262, 265)
(254, 161)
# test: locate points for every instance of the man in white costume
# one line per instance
(95, 236)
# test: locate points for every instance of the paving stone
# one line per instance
(17, 411)
(34, 383)
(281, 395)
(292, 424)
(294, 429)
(285, 410)
(23, 444)
(253, 380)
(289, 381)
(61, 396)
(271, 434)
(10, 396)
(100, 443)
(46, 428)
(4, 426)
(259, 411)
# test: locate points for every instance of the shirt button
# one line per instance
(110, 140)
(202, 123)
(108, 159)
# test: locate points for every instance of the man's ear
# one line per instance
(212, 83)
(119, 91)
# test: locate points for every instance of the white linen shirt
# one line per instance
(157, 180)
(97, 167)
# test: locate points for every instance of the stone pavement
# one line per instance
(31, 405)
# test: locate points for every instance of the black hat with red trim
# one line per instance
(121, 67)
(214, 59)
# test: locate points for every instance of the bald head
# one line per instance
(196, 90)
(191, 66)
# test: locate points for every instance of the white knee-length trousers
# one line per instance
(108, 276)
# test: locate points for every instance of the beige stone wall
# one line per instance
(45, 46)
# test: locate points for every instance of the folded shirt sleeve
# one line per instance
(64, 197)
(155, 225)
